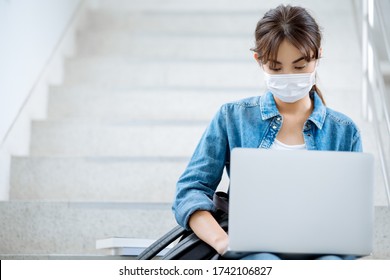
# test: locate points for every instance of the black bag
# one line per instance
(189, 247)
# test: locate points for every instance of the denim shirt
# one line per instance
(252, 123)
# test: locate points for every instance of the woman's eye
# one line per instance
(275, 69)
(300, 67)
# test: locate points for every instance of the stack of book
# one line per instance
(125, 246)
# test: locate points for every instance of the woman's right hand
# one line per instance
(207, 229)
(221, 246)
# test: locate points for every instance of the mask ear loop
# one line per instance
(317, 64)
(314, 87)
(315, 70)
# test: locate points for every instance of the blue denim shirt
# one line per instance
(252, 123)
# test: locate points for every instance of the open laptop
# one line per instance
(300, 202)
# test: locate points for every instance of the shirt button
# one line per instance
(278, 118)
(274, 127)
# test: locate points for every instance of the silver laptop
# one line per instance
(301, 202)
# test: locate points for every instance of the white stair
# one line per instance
(153, 139)
(176, 104)
(127, 179)
(147, 78)
(128, 72)
(72, 228)
(95, 178)
(143, 46)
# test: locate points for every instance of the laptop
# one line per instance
(300, 202)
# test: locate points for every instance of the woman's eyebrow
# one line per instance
(297, 60)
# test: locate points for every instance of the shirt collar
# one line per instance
(268, 107)
(319, 113)
(269, 110)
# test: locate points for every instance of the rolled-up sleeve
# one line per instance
(357, 142)
(196, 186)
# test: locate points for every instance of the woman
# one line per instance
(291, 115)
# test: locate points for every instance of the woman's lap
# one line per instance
(270, 256)
(261, 256)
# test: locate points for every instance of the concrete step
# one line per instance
(176, 103)
(370, 146)
(211, 22)
(196, 104)
(124, 179)
(173, 23)
(219, 5)
(151, 139)
(73, 227)
(187, 46)
(126, 72)
(131, 138)
(49, 256)
(95, 178)
(175, 47)
(384, 137)
(112, 178)
(381, 233)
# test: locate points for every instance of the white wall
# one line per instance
(29, 31)
(32, 46)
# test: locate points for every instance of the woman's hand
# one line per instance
(207, 229)
(221, 246)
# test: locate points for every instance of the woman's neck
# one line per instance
(301, 109)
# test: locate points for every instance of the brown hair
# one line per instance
(294, 24)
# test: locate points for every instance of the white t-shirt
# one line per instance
(277, 145)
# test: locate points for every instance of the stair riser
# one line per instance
(85, 139)
(159, 105)
(130, 73)
(173, 23)
(253, 6)
(186, 105)
(176, 48)
(133, 73)
(96, 179)
(73, 228)
(381, 233)
(194, 47)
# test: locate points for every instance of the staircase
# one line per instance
(147, 78)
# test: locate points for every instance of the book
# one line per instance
(126, 246)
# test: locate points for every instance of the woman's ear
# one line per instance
(256, 57)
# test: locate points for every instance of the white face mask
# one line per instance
(290, 87)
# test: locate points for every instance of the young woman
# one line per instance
(291, 115)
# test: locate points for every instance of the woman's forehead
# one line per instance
(288, 53)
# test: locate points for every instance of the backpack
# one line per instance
(189, 246)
